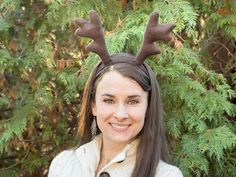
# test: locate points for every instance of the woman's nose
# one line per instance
(120, 112)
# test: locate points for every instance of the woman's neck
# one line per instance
(107, 152)
(110, 150)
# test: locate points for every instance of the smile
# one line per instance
(119, 127)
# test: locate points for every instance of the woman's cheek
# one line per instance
(105, 109)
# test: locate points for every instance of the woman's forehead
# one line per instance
(113, 83)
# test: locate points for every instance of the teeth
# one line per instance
(119, 126)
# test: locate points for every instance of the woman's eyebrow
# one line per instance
(130, 96)
(108, 95)
(134, 96)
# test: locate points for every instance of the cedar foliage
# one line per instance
(43, 68)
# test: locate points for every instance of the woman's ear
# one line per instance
(94, 108)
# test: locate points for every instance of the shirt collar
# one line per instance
(89, 154)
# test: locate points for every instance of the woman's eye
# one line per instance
(133, 102)
(108, 101)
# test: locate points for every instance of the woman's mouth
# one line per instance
(120, 127)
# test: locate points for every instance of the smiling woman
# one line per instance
(119, 107)
(121, 124)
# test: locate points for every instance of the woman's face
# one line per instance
(120, 106)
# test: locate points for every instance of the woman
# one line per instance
(121, 125)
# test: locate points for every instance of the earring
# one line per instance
(94, 128)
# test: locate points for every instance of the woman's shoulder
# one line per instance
(166, 170)
(63, 162)
(64, 156)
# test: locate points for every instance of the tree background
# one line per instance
(43, 68)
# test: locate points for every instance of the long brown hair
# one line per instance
(152, 134)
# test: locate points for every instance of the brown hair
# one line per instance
(147, 157)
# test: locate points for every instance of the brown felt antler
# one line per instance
(93, 29)
(154, 32)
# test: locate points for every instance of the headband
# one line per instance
(93, 30)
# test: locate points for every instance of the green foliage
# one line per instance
(192, 158)
(215, 141)
(129, 35)
(43, 69)
(179, 12)
(6, 62)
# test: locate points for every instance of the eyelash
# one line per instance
(108, 101)
(133, 102)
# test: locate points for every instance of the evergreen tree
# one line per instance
(43, 68)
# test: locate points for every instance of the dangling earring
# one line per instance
(94, 128)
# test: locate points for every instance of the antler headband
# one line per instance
(154, 32)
